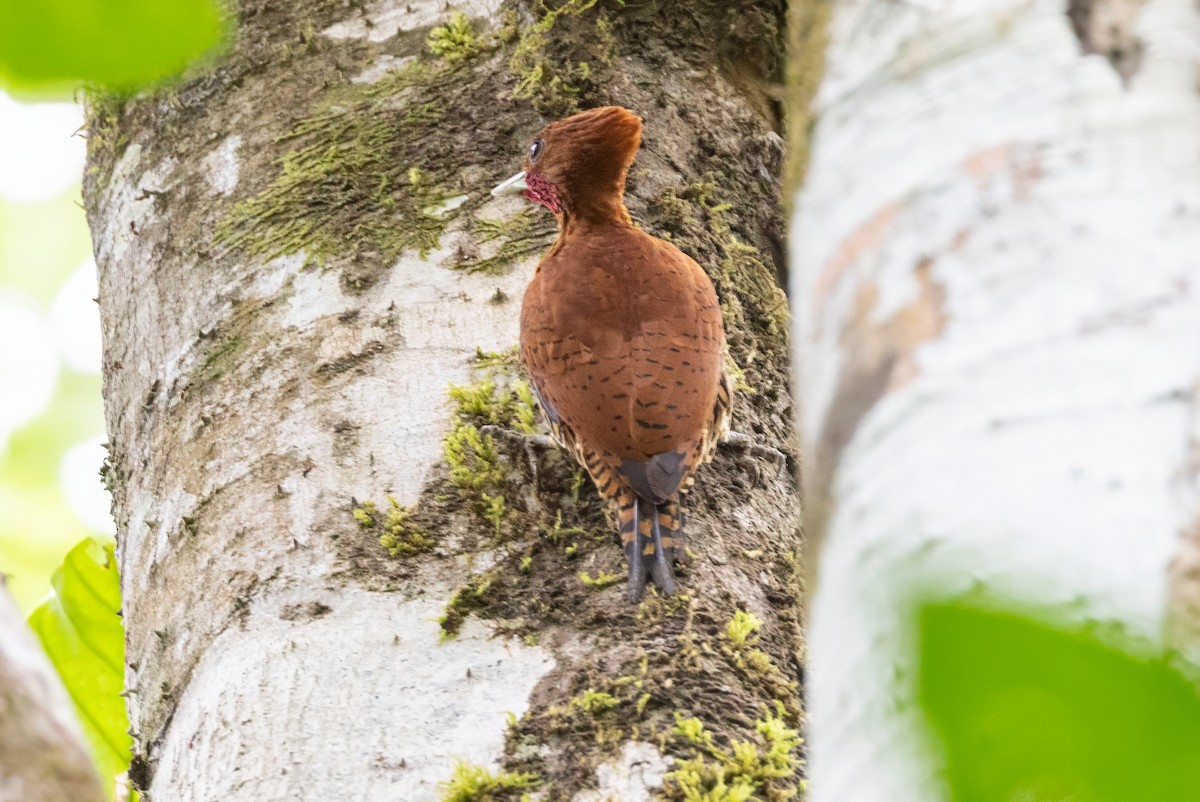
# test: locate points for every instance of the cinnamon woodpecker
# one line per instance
(622, 336)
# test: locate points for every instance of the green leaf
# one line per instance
(82, 634)
(1039, 712)
(122, 45)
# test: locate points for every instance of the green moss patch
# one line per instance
(491, 474)
(357, 180)
(742, 629)
(467, 598)
(221, 358)
(106, 140)
(562, 57)
(469, 783)
(396, 530)
(594, 702)
(232, 345)
(766, 766)
(376, 170)
(457, 40)
(497, 399)
(477, 467)
(602, 580)
(659, 692)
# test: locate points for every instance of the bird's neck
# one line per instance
(586, 214)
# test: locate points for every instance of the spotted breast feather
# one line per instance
(622, 337)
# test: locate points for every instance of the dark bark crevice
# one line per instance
(1106, 27)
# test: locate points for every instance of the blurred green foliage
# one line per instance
(1030, 711)
(80, 629)
(41, 244)
(48, 46)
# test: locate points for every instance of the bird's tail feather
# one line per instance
(661, 552)
(630, 524)
(651, 535)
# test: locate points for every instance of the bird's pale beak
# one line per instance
(514, 184)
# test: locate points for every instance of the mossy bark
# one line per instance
(298, 258)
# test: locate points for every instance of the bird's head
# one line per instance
(576, 167)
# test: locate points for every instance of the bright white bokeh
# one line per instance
(28, 367)
(78, 475)
(41, 156)
(75, 318)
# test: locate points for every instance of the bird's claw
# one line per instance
(543, 441)
(754, 452)
(531, 444)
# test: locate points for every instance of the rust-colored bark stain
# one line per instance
(1022, 164)
(880, 357)
(1027, 173)
(862, 239)
(1183, 604)
(1182, 627)
(983, 164)
(960, 239)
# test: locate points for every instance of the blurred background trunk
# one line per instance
(334, 583)
(994, 261)
(43, 757)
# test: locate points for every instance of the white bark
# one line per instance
(383, 19)
(43, 757)
(374, 654)
(327, 685)
(413, 703)
(633, 776)
(996, 261)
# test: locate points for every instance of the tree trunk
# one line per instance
(338, 576)
(998, 335)
(43, 757)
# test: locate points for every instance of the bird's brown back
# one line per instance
(621, 333)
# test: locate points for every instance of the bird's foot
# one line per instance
(531, 444)
(752, 453)
(542, 441)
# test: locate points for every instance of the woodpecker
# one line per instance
(622, 337)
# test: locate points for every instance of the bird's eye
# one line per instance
(535, 149)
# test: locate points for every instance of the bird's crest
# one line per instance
(577, 166)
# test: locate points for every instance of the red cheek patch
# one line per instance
(539, 190)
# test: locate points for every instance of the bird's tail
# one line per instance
(650, 534)
(671, 519)
(629, 525)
